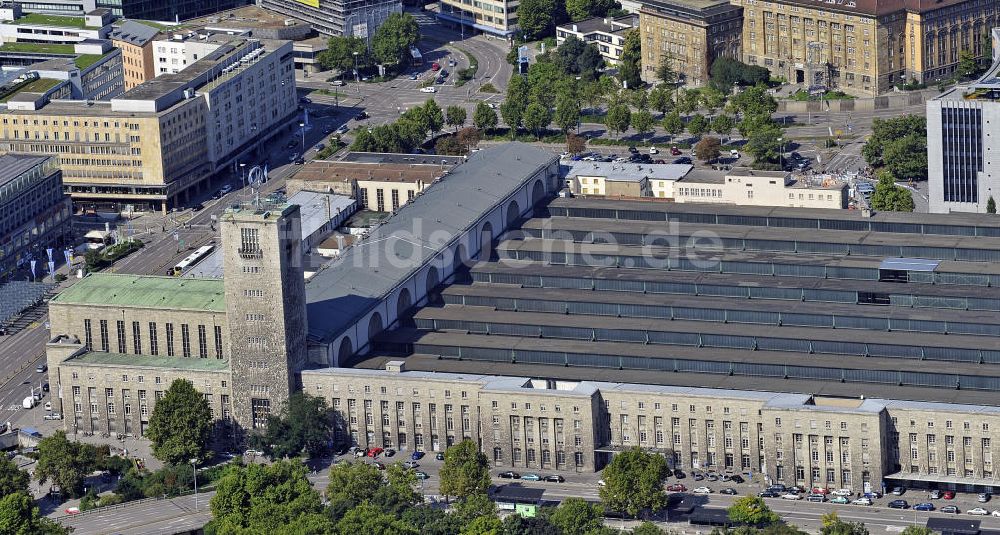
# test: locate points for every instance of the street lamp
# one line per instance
(356, 80)
(781, 155)
(243, 178)
(194, 468)
(302, 129)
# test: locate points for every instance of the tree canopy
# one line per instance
(12, 478)
(890, 197)
(339, 53)
(630, 63)
(466, 470)
(485, 118)
(455, 116)
(906, 157)
(393, 39)
(181, 425)
(708, 148)
(751, 510)
(304, 424)
(576, 516)
(538, 18)
(885, 131)
(634, 482)
(20, 516)
(66, 463)
(727, 72)
(574, 57)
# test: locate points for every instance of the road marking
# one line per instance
(895, 529)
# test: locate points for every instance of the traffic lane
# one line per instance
(19, 348)
(136, 515)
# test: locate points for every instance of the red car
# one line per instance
(819, 490)
(676, 487)
(674, 151)
(435, 67)
(374, 452)
(948, 495)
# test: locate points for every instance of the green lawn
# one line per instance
(40, 85)
(37, 47)
(86, 60)
(53, 20)
(158, 25)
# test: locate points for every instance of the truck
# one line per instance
(28, 402)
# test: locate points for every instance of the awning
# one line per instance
(909, 264)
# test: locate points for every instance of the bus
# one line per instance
(192, 259)
(97, 239)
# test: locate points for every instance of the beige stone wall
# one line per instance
(692, 43)
(938, 442)
(393, 194)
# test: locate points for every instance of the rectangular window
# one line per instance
(154, 348)
(218, 342)
(202, 342)
(105, 344)
(380, 200)
(185, 340)
(136, 337)
(88, 338)
(121, 336)
(170, 339)
(260, 409)
(395, 200)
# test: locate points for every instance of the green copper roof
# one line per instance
(146, 361)
(146, 291)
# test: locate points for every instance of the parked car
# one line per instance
(697, 476)
(633, 150)
(984, 497)
(683, 160)
(674, 151)
(926, 506)
(375, 452)
(253, 453)
(413, 76)
(729, 490)
(531, 477)
(996, 513)
(738, 479)
(41, 368)
(197, 207)
(417, 455)
(421, 475)
(555, 479)
(48, 405)
(361, 116)
(52, 416)
(712, 477)
(898, 504)
(862, 501)
(45, 387)
(428, 89)
(676, 487)
(820, 490)
(843, 492)
(791, 496)
(299, 161)
(337, 83)
(950, 509)
(948, 495)
(702, 490)
(653, 150)
(816, 498)
(411, 464)
(935, 495)
(839, 499)
(898, 491)
(510, 475)
(778, 487)
(342, 129)
(978, 511)
(439, 456)
(435, 66)
(679, 474)
(769, 494)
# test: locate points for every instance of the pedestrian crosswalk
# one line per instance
(14, 407)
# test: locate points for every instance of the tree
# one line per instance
(537, 18)
(367, 519)
(466, 470)
(708, 149)
(918, 530)
(712, 98)
(20, 516)
(630, 63)
(181, 425)
(991, 206)
(303, 424)
(698, 125)
(448, 145)
(643, 121)
(660, 99)
(513, 107)
(967, 64)
(394, 38)
(455, 116)
(618, 118)
(435, 117)
(66, 463)
(339, 53)
(884, 131)
(665, 71)
(906, 157)
(762, 142)
(754, 102)
(688, 100)
(589, 62)
(833, 525)
(575, 516)
(485, 118)
(673, 123)
(469, 137)
(267, 499)
(542, 78)
(12, 478)
(483, 525)
(567, 115)
(723, 125)
(566, 54)
(519, 525)
(648, 528)
(634, 482)
(751, 510)
(473, 507)
(575, 144)
(537, 118)
(890, 197)
(726, 73)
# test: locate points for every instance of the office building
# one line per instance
(154, 145)
(173, 52)
(35, 211)
(692, 33)
(497, 17)
(607, 33)
(135, 40)
(962, 166)
(17, 26)
(864, 48)
(358, 18)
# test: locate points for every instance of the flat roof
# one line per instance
(357, 280)
(134, 33)
(14, 165)
(339, 171)
(515, 492)
(145, 291)
(600, 24)
(96, 358)
(398, 158)
(626, 172)
(318, 209)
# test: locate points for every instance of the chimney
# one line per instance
(574, 28)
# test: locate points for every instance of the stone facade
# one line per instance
(692, 33)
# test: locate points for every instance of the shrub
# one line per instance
(488, 88)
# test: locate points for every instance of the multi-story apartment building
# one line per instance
(136, 43)
(154, 145)
(607, 33)
(358, 18)
(94, 72)
(34, 211)
(176, 51)
(498, 17)
(692, 33)
(864, 48)
(961, 163)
